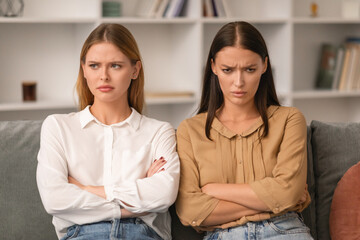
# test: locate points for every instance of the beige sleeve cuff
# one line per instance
(265, 196)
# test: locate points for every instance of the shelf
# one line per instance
(39, 105)
(216, 20)
(314, 94)
(306, 20)
(46, 20)
(148, 20)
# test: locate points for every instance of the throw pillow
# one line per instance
(345, 207)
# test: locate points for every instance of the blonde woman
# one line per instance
(108, 172)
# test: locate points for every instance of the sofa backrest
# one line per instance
(22, 213)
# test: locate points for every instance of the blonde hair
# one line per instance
(124, 40)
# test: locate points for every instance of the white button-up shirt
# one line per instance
(115, 156)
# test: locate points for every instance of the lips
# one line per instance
(105, 88)
(238, 93)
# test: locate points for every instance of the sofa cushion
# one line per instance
(335, 149)
(345, 208)
(22, 213)
(309, 213)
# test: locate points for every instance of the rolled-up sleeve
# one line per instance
(192, 206)
(158, 192)
(284, 189)
(61, 199)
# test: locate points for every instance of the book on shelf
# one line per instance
(339, 67)
(350, 73)
(344, 70)
(216, 8)
(356, 82)
(169, 94)
(209, 10)
(160, 8)
(175, 8)
(219, 6)
(353, 61)
(326, 69)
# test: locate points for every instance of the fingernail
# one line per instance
(161, 157)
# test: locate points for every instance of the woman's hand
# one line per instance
(156, 167)
(127, 214)
(75, 182)
(238, 193)
(213, 189)
(97, 190)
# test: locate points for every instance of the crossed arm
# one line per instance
(236, 200)
(155, 167)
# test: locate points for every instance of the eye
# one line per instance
(250, 70)
(116, 66)
(93, 65)
(226, 70)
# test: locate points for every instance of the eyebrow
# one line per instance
(250, 65)
(110, 61)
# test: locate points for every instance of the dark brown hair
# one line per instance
(124, 40)
(248, 37)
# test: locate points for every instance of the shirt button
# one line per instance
(193, 223)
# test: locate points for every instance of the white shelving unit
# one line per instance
(44, 46)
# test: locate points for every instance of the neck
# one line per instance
(108, 113)
(235, 113)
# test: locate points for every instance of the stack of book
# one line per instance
(216, 8)
(161, 8)
(339, 67)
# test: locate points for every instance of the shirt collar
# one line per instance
(133, 120)
(219, 127)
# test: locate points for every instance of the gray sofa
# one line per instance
(332, 149)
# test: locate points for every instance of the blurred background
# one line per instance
(314, 47)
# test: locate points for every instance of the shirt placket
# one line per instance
(108, 154)
(240, 161)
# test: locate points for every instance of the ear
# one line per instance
(265, 65)
(213, 66)
(83, 68)
(137, 68)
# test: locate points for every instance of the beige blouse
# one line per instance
(275, 166)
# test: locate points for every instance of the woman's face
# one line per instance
(239, 71)
(108, 73)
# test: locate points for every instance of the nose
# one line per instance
(239, 79)
(104, 74)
